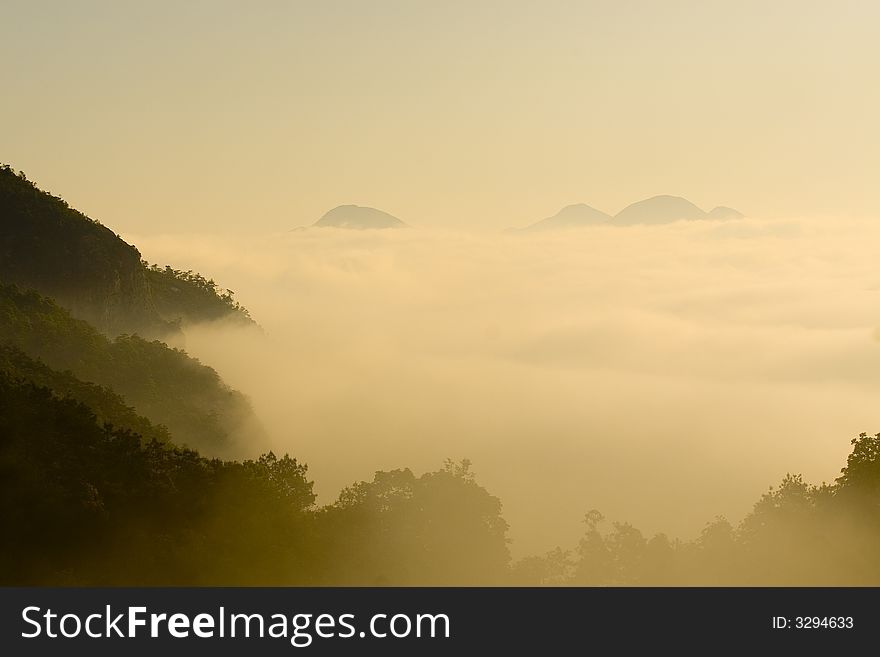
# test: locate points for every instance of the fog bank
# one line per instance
(663, 375)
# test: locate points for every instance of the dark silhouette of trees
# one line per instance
(189, 297)
(797, 534)
(440, 528)
(84, 501)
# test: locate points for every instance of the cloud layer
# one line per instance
(661, 374)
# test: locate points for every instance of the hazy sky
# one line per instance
(161, 116)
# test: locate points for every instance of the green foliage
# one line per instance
(85, 501)
(85, 504)
(441, 528)
(162, 384)
(187, 296)
(108, 407)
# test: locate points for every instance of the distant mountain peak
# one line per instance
(359, 218)
(654, 211)
(572, 216)
(723, 212)
(662, 209)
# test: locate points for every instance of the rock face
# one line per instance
(47, 246)
(572, 216)
(658, 210)
(359, 218)
(50, 247)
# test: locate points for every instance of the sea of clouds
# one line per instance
(663, 375)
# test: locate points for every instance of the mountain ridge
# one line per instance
(653, 211)
(572, 216)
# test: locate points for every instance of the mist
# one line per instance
(664, 375)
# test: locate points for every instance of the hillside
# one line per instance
(84, 503)
(56, 250)
(160, 383)
(109, 408)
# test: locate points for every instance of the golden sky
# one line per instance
(166, 116)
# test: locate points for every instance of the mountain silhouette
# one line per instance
(658, 210)
(572, 216)
(359, 218)
(722, 212)
(653, 211)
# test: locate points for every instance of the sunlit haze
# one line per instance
(551, 257)
(612, 368)
(230, 116)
